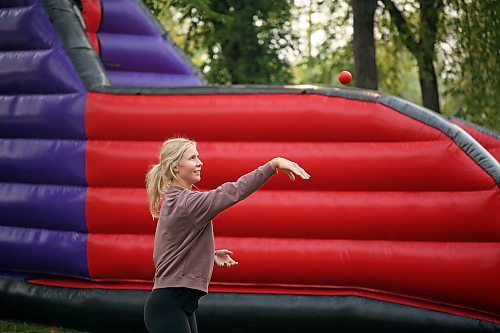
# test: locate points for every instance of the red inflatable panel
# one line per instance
(125, 209)
(251, 117)
(92, 14)
(426, 270)
(93, 285)
(111, 163)
(397, 166)
(120, 257)
(92, 36)
(394, 209)
(423, 216)
(421, 270)
(489, 142)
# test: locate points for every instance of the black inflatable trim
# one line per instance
(100, 310)
(86, 61)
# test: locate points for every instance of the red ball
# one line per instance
(345, 77)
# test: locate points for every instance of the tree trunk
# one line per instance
(429, 18)
(428, 83)
(423, 47)
(365, 67)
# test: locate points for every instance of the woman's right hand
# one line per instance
(289, 167)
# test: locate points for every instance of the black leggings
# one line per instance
(172, 310)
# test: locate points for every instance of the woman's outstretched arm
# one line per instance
(206, 205)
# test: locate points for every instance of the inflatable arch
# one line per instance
(397, 230)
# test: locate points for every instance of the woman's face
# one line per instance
(189, 168)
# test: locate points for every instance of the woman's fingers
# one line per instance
(291, 168)
(230, 263)
(290, 174)
(301, 172)
(298, 171)
(304, 173)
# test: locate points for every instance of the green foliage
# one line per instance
(236, 41)
(397, 67)
(472, 72)
(397, 71)
(325, 67)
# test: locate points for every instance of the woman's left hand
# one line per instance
(222, 258)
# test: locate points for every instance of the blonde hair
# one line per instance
(160, 176)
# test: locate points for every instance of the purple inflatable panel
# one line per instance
(126, 17)
(58, 116)
(24, 28)
(37, 72)
(43, 251)
(43, 68)
(140, 54)
(38, 83)
(42, 161)
(16, 3)
(152, 79)
(43, 206)
(135, 49)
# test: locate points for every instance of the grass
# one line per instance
(11, 326)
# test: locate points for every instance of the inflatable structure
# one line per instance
(398, 230)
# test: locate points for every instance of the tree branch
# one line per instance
(398, 19)
(430, 11)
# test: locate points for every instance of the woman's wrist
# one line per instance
(275, 163)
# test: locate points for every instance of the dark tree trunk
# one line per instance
(429, 18)
(365, 67)
(423, 47)
(428, 83)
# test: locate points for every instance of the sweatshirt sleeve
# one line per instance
(204, 206)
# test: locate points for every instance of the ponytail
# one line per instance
(155, 185)
(159, 176)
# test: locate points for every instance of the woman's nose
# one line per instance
(200, 163)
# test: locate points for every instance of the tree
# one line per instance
(471, 70)
(421, 42)
(365, 67)
(244, 40)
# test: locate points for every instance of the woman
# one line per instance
(184, 241)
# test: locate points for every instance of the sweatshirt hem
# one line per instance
(181, 281)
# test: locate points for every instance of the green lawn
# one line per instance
(10, 326)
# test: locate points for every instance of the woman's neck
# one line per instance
(182, 184)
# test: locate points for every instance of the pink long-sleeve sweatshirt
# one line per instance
(184, 239)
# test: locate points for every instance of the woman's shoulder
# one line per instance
(181, 196)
